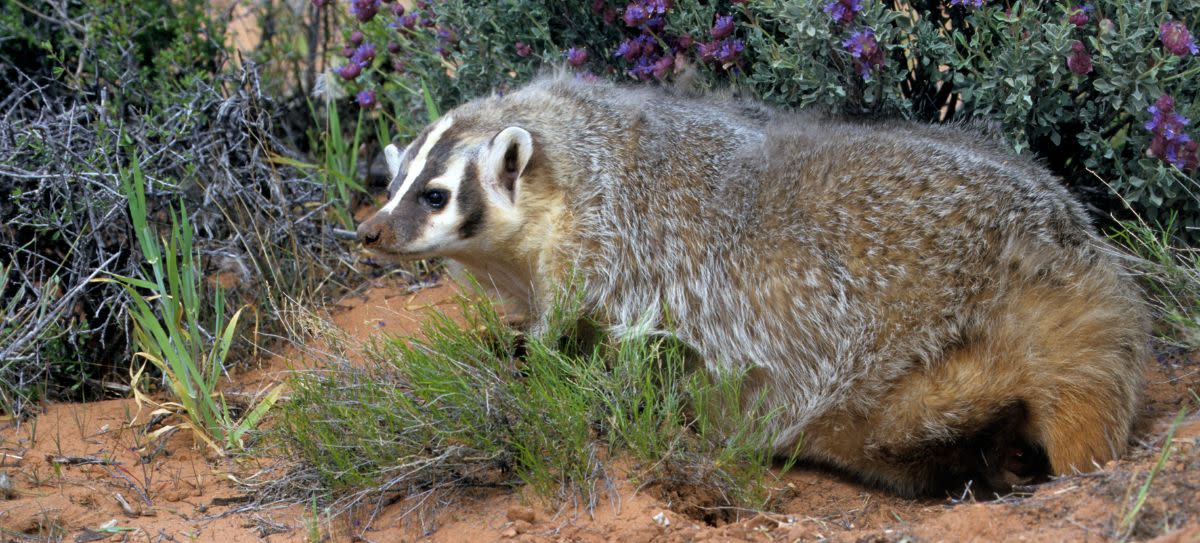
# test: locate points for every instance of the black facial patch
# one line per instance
(470, 202)
(410, 215)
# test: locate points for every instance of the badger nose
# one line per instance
(369, 232)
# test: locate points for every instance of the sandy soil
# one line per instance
(64, 475)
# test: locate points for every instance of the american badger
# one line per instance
(923, 307)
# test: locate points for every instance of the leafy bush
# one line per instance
(1099, 90)
(78, 80)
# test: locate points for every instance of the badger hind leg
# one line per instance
(1087, 346)
(1046, 384)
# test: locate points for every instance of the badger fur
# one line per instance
(923, 307)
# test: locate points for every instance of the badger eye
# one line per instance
(435, 198)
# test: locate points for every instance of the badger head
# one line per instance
(457, 190)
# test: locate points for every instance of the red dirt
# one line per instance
(178, 495)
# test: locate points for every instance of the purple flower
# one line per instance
(865, 50)
(730, 50)
(1170, 144)
(349, 71)
(1079, 61)
(723, 27)
(1176, 39)
(393, 47)
(366, 99)
(576, 56)
(523, 49)
(348, 51)
(1079, 15)
(399, 65)
(658, 7)
(630, 49)
(635, 15)
(587, 76)
(320, 3)
(408, 20)
(397, 9)
(356, 38)
(642, 69)
(1190, 155)
(364, 10)
(363, 55)
(965, 3)
(662, 67)
(861, 44)
(725, 51)
(447, 35)
(843, 11)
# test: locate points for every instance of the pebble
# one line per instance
(517, 512)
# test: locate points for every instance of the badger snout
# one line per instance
(371, 232)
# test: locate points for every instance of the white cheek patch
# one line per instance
(418, 163)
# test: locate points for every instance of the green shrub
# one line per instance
(1073, 84)
(476, 404)
(78, 78)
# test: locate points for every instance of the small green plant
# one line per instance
(339, 169)
(1171, 270)
(167, 325)
(472, 402)
(1130, 519)
(312, 523)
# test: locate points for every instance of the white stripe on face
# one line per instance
(441, 230)
(418, 163)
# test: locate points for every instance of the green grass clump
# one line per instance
(478, 404)
(168, 332)
(1170, 268)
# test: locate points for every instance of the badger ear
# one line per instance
(508, 155)
(392, 154)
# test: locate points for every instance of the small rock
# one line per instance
(509, 533)
(7, 491)
(517, 512)
(662, 520)
(762, 522)
(521, 526)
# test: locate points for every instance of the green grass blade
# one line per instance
(431, 109)
(1144, 491)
